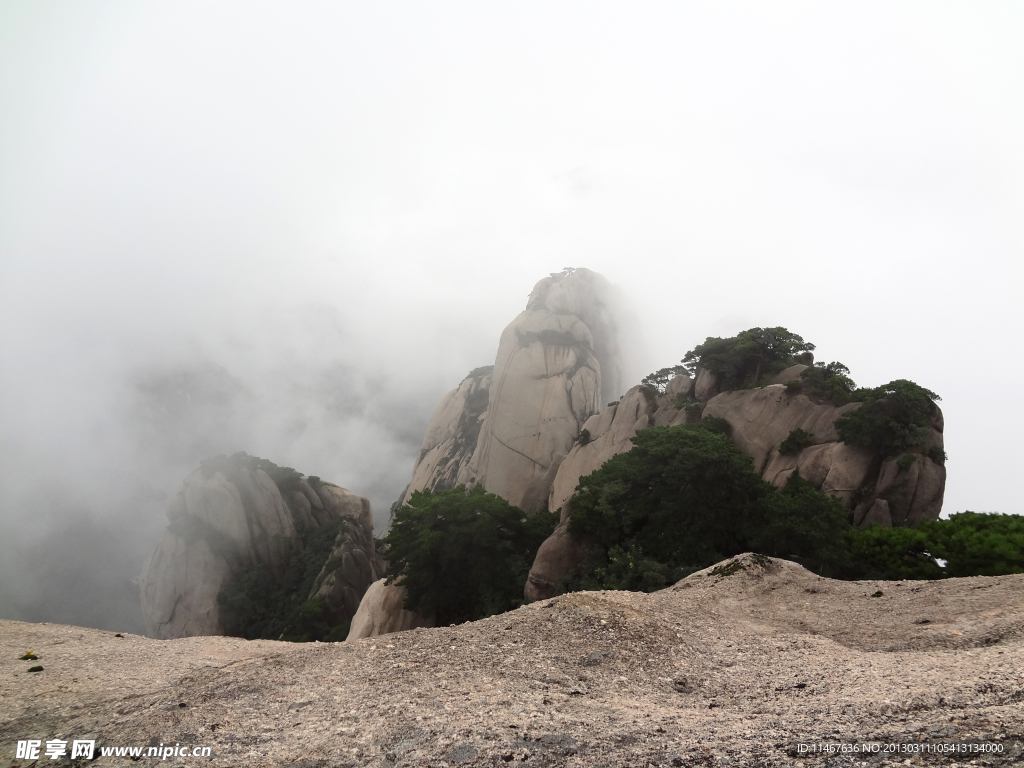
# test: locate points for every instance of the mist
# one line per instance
(289, 230)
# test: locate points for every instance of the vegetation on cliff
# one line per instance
(742, 360)
(684, 498)
(892, 418)
(259, 605)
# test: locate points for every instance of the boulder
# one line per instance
(912, 494)
(878, 514)
(678, 385)
(546, 384)
(239, 513)
(382, 612)
(837, 468)
(557, 557)
(705, 385)
(788, 374)
(869, 485)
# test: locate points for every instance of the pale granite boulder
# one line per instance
(382, 611)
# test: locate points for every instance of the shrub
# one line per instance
(678, 497)
(801, 523)
(906, 461)
(794, 387)
(660, 379)
(978, 544)
(892, 418)
(743, 359)
(463, 555)
(936, 454)
(796, 441)
(967, 544)
(829, 382)
(891, 554)
(258, 605)
(584, 437)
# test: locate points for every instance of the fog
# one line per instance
(289, 229)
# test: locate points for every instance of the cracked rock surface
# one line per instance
(735, 665)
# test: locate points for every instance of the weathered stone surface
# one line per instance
(878, 514)
(837, 468)
(678, 385)
(231, 515)
(546, 385)
(452, 435)
(788, 374)
(744, 666)
(351, 568)
(508, 427)
(705, 385)
(557, 557)
(381, 612)
(610, 433)
(913, 494)
(762, 418)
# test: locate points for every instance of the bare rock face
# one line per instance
(604, 435)
(240, 513)
(353, 564)
(452, 434)
(382, 612)
(507, 428)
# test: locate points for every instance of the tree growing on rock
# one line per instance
(893, 417)
(743, 359)
(686, 497)
(463, 555)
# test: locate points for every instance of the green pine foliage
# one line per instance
(684, 498)
(256, 604)
(660, 378)
(744, 359)
(830, 382)
(967, 544)
(680, 497)
(796, 441)
(463, 555)
(977, 544)
(892, 418)
(801, 523)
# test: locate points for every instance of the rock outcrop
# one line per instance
(382, 611)
(873, 487)
(508, 427)
(242, 513)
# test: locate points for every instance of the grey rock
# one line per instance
(232, 515)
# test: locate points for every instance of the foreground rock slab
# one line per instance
(736, 665)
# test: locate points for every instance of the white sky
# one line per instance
(312, 199)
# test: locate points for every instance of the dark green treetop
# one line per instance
(463, 555)
(742, 359)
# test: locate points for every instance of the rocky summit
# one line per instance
(747, 663)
